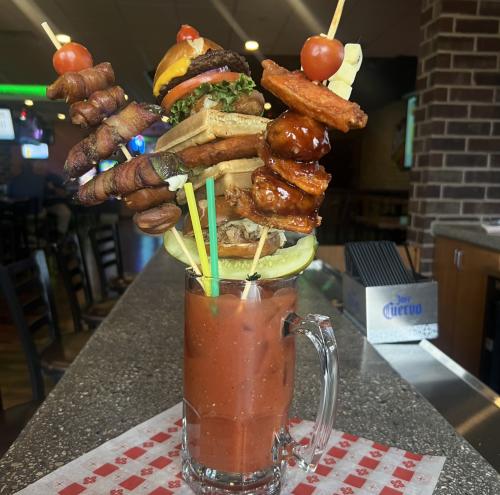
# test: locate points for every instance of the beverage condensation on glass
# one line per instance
(239, 366)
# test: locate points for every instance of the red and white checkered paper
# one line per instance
(146, 460)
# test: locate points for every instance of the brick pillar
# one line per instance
(456, 173)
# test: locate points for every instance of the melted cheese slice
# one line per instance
(177, 69)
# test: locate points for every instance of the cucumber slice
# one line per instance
(287, 261)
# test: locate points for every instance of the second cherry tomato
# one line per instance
(72, 57)
(187, 32)
(321, 57)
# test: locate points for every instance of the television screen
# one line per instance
(410, 131)
(29, 128)
(6, 125)
(35, 151)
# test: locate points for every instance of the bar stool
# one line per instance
(84, 310)
(106, 248)
(28, 292)
(13, 420)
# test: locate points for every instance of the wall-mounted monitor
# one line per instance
(410, 131)
(35, 151)
(6, 125)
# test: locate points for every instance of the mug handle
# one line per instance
(318, 329)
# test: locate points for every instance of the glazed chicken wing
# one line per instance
(310, 177)
(297, 137)
(245, 206)
(273, 195)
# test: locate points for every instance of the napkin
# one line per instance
(146, 460)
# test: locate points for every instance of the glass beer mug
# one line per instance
(239, 366)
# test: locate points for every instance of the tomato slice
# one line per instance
(186, 87)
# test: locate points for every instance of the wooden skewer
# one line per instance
(256, 257)
(335, 20)
(178, 238)
(126, 152)
(51, 35)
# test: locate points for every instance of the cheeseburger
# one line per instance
(197, 73)
(217, 131)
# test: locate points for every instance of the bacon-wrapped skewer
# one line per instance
(148, 197)
(159, 219)
(115, 130)
(101, 104)
(143, 171)
(78, 86)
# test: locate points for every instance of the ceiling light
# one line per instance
(29, 103)
(63, 38)
(61, 116)
(267, 106)
(251, 45)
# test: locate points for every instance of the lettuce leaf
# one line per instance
(224, 92)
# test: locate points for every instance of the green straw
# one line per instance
(212, 235)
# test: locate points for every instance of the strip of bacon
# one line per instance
(118, 129)
(78, 86)
(100, 105)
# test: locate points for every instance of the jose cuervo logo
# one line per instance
(401, 307)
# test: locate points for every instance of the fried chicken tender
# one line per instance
(314, 100)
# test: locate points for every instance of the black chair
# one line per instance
(14, 238)
(28, 292)
(13, 420)
(84, 310)
(106, 248)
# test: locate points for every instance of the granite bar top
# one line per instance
(473, 234)
(132, 369)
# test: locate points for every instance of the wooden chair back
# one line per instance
(73, 271)
(28, 292)
(106, 249)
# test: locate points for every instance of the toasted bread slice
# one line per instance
(226, 174)
(207, 125)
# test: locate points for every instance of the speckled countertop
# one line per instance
(473, 234)
(132, 369)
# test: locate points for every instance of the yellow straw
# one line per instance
(198, 234)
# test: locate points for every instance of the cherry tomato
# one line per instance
(72, 57)
(321, 57)
(187, 32)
